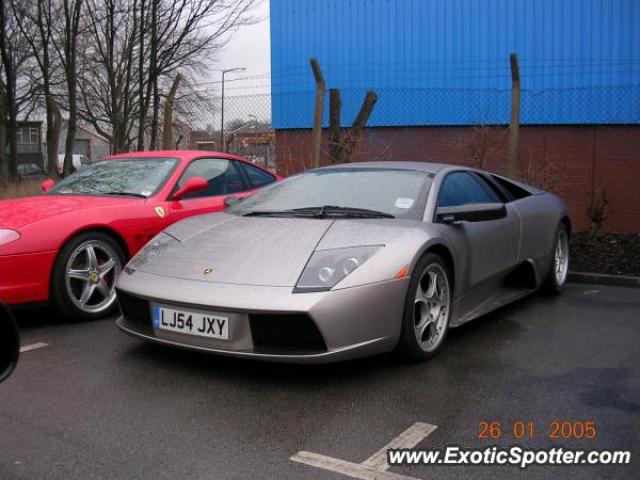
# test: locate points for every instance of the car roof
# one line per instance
(180, 154)
(427, 167)
(430, 168)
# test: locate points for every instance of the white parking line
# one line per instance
(591, 292)
(375, 467)
(407, 439)
(353, 470)
(33, 346)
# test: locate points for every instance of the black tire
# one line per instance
(59, 291)
(409, 347)
(552, 284)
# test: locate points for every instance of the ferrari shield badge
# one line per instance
(160, 212)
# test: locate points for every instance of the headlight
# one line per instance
(328, 267)
(8, 236)
(153, 249)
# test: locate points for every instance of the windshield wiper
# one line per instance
(333, 210)
(277, 213)
(321, 212)
(130, 194)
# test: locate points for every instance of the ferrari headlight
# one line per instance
(153, 249)
(326, 268)
(7, 236)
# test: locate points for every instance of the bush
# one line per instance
(19, 188)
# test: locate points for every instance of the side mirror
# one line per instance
(194, 184)
(9, 343)
(47, 185)
(232, 200)
(473, 212)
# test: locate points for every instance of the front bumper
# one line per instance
(351, 322)
(24, 278)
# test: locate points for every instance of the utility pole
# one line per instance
(255, 135)
(222, 141)
(233, 132)
(514, 128)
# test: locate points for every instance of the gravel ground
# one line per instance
(612, 254)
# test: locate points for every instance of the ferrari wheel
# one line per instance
(559, 262)
(427, 309)
(84, 276)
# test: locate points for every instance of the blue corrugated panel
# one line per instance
(446, 62)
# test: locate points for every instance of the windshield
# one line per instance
(133, 176)
(397, 193)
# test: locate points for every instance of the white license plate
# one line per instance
(192, 323)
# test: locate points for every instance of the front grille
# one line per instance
(285, 333)
(135, 310)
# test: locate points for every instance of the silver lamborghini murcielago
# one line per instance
(346, 261)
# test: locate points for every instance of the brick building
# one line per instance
(441, 71)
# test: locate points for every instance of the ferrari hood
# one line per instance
(224, 248)
(22, 211)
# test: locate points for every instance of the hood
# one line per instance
(237, 250)
(22, 211)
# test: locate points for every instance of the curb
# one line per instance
(603, 279)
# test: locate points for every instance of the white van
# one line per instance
(77, 162)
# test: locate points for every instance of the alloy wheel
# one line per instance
(561, 257)
(90, 276)
(432, 307)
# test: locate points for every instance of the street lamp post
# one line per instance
(222, 141)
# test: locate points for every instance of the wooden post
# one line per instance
(316, 134)
(167, 128)
(334, 123)
(349, 144)
(512, 161)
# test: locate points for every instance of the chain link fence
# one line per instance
(274, 130)
(251, 121)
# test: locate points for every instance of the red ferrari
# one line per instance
(69, 244)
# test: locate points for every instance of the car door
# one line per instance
(488, 248)
(224, 178)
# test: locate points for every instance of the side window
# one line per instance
(258, 178)
(495, 187)
(461, 188)
(515, 191)
(222, 175)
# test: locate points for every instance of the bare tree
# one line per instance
(107, 71)
(8, 84)
(185, 34)
(481, 144)
(132, 53)
(67, 51)
(142, 98)
(39, 27)
(153, 72)
(16, 86)
(597, 211)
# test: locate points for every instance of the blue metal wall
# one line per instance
(446, 62)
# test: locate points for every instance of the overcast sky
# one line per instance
(249, 48)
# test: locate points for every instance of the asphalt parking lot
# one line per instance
(94, 403)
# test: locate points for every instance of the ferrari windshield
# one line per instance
(343, 192)
(138, 177)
